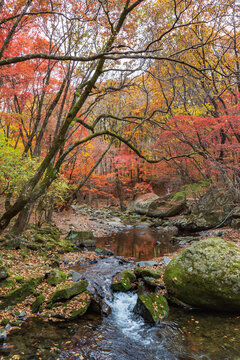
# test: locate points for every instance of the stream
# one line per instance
(122, 335)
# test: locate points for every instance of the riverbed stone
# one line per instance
(3, 335)
(152, 307)
(201, 221)
(81, 238)
(148, 263)
(123, 281)
(104, 252)
(66, 292)
(73, 308)
(78, 312)
(206, 275)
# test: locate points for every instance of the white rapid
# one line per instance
(122, 335)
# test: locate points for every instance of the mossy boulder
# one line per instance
(206, 275)
(67, 292)
(81, 238)
(152, 307)
(78, 311)
(3, 273)
(55, 277)
(36, 305)
(73, 308)
(17, 295)
(215, 199)
(123, 281)
(216, 207)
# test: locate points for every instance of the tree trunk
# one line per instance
(119, 192)
(22, 220)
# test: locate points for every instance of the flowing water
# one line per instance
(124, 336)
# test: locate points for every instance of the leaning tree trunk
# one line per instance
(23, 219)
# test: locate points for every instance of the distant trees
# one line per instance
(73, 71)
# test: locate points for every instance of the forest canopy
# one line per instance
(113, 96)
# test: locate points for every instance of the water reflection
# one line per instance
(139, 243)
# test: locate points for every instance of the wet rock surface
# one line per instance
(153, 307)
(123, 281)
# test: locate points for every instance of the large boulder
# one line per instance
(215, 208)
(152, 205)
(148, 272)
(215, 200)
(206, 275)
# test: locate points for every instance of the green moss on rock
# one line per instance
(152, 307)
(36, 305)
(67, 292)
(79, 312)
(123, 281)
(156, 274)
(17, 295)
(5, 321)
(55, 277)
(206, 275)
(153, 283)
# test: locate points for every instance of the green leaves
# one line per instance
(15, 170)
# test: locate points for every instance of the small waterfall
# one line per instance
(122, 335)
(122, 313)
